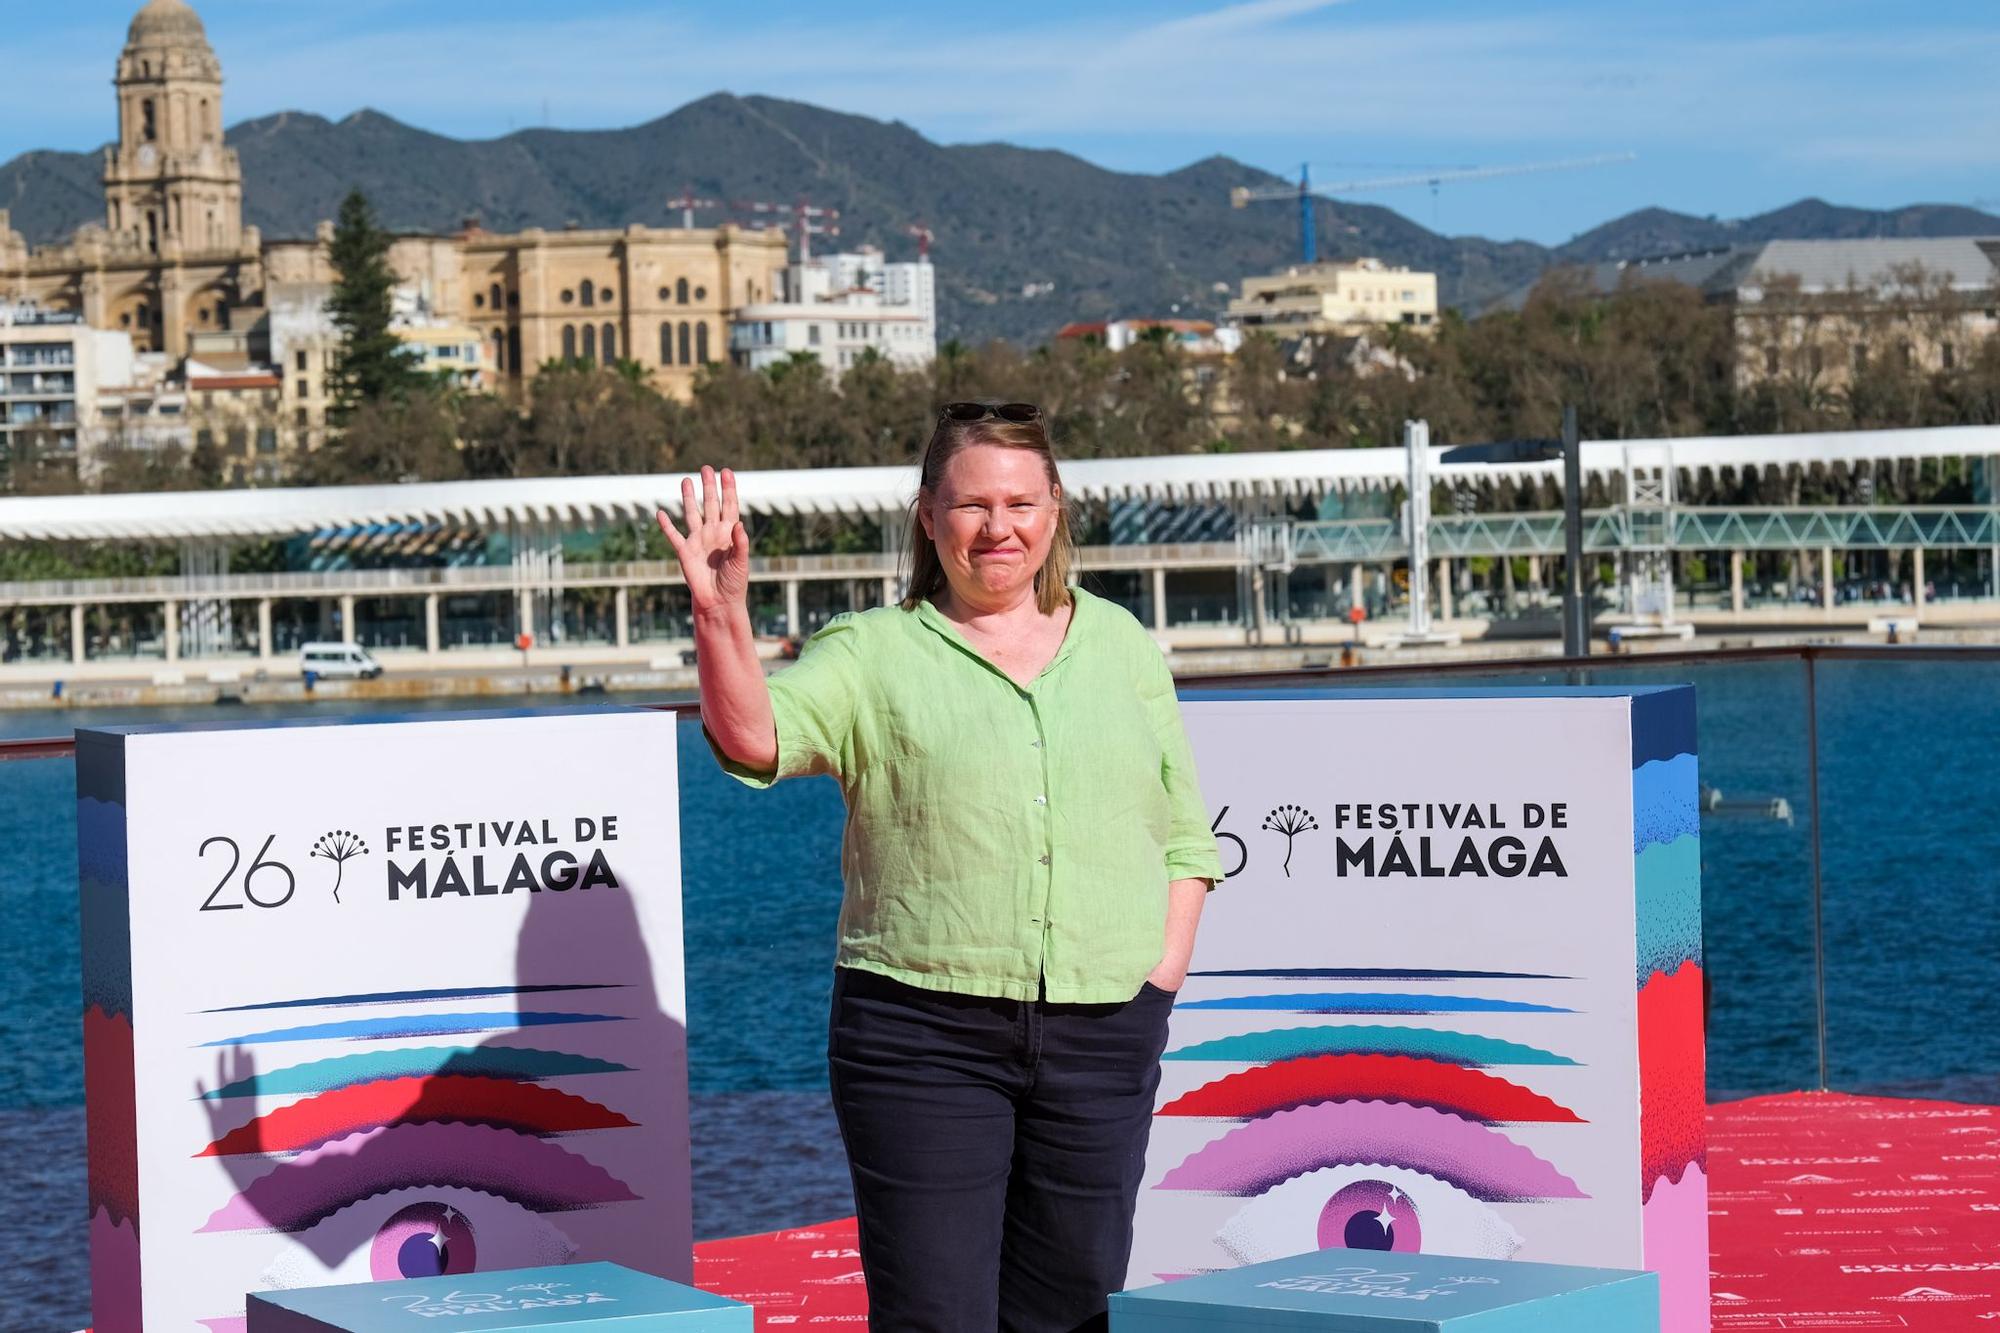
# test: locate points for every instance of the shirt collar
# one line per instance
(939, 622)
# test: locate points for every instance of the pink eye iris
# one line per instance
(423, 1240)
(1370, 1215)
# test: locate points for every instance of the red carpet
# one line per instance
(1827, 1211)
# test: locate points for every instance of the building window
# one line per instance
(1947, 355)
(590, 342)
(666, 343)
(701, 293)
(681, 292)
(610, 343)
(569, 342)
(1770, 360)
(701, 344)
(149, 127)
(608, 295)
(683, 339)
(493, 297)
(478, 301)
(301, 418)
(204, 438)
(568, 296)
(666, 294)
(812, 335)
(499, 350)
(238, 439)
(586, 294)
(267, 439)
(514, 351)
(299, 360)
(303, 388)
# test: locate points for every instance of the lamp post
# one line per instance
(1575, 610)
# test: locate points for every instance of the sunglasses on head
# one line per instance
(980, 411)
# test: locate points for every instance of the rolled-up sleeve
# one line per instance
(1190, 851)
(812, 704)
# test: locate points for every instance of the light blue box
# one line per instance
(1368, 1291)
(586, 1297)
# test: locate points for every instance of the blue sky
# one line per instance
(1732, 108)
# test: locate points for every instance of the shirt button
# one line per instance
(1036, 744)
(1043, 858)
(1041, 800)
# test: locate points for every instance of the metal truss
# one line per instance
(1375, 540)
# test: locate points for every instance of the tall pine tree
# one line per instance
(374, 364)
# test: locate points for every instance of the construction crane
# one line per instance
(686, 202)
(1305, 191)
(809, 220)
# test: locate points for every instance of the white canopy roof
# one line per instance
(1250, 479)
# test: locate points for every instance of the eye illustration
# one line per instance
(1366, 1135)
(393, 1161)
(1366, 1207)
(422, 1232)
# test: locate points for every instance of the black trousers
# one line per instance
(996, 1148)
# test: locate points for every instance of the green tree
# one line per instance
(373, 364)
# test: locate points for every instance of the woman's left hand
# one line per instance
(1184, 902)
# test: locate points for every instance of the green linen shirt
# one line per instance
(1000, 840)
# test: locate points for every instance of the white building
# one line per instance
(53, 370)
(1345, 298)
(838, 308)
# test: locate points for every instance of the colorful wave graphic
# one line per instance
(522, 1063)
(1459, 1048)
(1667, 879)
(1322, 1078)
(526, 1108)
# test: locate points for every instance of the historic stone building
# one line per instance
(174, 265)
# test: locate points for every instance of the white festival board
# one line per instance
(377, 999)
(1448, 998)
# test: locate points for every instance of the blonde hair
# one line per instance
(925, 571)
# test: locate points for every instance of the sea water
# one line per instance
(1911, 941)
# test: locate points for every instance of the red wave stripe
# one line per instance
(1285, 1084)
(110, 1113)
(527, 1107)
(1673, 1093)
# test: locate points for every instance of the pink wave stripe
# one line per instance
(530, 1171)
(1674, 1222)
(1483, 1162)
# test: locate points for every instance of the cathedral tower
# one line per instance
(170, 186)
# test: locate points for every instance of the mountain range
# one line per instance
(1026, 239)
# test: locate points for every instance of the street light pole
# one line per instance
(1576, 606)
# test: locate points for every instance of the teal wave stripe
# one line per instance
(413, 1025)
(1668, 880)
(519, 1063)
(1458, 1048)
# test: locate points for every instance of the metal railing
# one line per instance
(1846, 850)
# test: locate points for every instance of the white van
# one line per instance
(338, 661)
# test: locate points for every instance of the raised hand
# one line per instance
(715, 552)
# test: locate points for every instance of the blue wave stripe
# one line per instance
(1374, 974)
(1356, 1003)
(413, 996)
(1665, 801)
(413, 1025)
